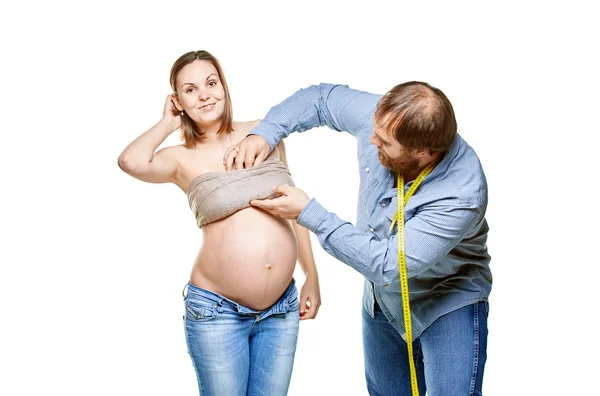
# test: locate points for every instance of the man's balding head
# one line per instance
(419, 116)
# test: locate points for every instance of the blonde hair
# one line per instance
(190, 133)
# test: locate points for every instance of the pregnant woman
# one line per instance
(242, 308)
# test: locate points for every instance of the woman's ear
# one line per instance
(177, 104)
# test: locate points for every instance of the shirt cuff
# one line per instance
(312, 215)
(269, 132)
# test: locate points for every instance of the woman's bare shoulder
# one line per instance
(242, 128)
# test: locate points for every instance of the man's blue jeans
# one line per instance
(449, 355)
(237, 351)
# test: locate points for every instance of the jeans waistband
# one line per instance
(281, 305)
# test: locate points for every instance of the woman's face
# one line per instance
(200, 92)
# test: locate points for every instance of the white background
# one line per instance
(93, 262)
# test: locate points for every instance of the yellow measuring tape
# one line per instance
(399, 217)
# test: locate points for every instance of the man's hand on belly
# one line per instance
(289, 205)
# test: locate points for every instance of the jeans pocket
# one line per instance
(199, 312)
(293, 302)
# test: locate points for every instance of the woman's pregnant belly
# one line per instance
(248, 257)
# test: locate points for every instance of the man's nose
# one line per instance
(374, 141)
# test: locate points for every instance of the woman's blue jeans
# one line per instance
(449, 355)
(237, 351)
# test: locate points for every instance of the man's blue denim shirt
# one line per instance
(445, 226)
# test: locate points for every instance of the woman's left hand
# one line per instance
(310, 298)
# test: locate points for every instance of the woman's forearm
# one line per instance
(141, 151)
(305, 253)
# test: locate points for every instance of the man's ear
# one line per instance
(177, 104)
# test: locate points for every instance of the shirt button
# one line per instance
(367, 169)
(372, 229)
(383, 204)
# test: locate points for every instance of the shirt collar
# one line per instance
(440, 168)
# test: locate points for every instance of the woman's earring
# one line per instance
(181, 113)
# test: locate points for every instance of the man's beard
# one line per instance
(401, 165)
